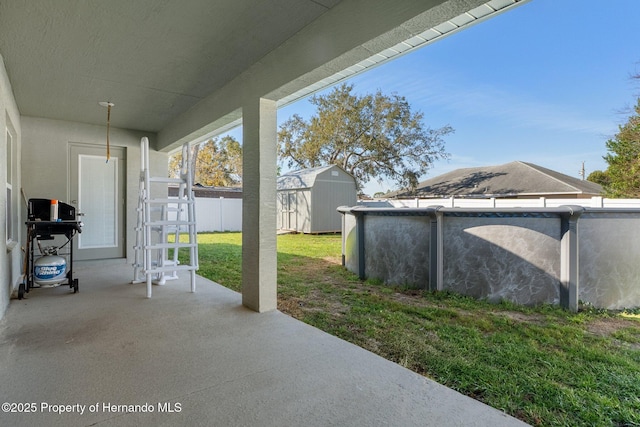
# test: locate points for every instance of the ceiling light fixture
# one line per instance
(108, 105)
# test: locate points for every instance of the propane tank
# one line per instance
(50, 270)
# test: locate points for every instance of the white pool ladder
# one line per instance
(165, 224)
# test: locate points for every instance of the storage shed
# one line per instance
(308, 199)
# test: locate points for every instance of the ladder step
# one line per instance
(170, 246)
(163, 223)
(169, 229)
(155, 208)
(171, 201)
(171, 268)
(167, 180)
(172, 231)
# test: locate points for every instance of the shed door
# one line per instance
(288, 215)
(293, 223)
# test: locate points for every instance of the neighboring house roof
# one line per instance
(508, 180)
(304, 178)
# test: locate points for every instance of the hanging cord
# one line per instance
(108, 126)
(51, 250)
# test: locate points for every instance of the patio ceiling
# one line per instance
(164, 63)
(154, 59)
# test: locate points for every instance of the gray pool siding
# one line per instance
(559, 255)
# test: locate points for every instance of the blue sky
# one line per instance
(547, 82)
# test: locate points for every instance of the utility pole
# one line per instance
(581, 172)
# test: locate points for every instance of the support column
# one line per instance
(436, 248)
(569, 273)
(360, 236)
(259, 165)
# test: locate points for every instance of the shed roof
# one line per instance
(508, 180)
(304, 178)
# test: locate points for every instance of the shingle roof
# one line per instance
(508, 180)
(304, 178)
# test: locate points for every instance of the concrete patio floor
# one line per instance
(199, 360)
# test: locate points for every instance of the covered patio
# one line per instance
(180, 72)
(200, 359)
(177, 73)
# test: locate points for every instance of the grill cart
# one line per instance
(49, 266)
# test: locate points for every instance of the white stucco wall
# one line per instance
(10, 256)
(46, 161)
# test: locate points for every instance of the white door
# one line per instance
(291, 209)
(97, 190)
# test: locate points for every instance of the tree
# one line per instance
(218, 162)
(599, 177)
(623, 158)
(370, 136)
(380, 194)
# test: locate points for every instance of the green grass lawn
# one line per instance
(543, 365)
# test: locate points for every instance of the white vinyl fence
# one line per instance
(218, 214)
(541, 202)
(223, 214)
